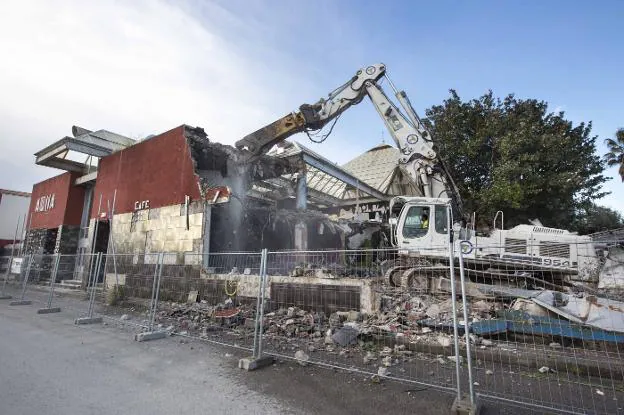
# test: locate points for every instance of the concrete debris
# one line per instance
(444, 340)
(489, 372)
(555, 345)
(386, 351)
(454, 358)
(612, 272)
(544, 369)
(530, 307)
(370, 356)
(383, 371)
(387, 361)
(345, 336)
(442, 310)
(302, 358)
(487, 343)
(124, 317)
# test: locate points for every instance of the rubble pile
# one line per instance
(202, 317)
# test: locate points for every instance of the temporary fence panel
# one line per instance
(212, 297)
(541, 338)
(359, 310)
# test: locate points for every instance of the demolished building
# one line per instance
(157, 195)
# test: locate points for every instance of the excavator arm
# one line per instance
(314, 116)
(418, 156)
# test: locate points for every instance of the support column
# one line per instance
(206, 234)
(301, 229)
(302, 190)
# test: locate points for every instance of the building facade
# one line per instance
(161, 195)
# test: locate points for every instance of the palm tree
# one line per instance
(615, 156)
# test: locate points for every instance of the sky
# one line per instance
(144, 67)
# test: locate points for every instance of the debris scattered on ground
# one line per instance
(444, 340)
(345, 336)
(383, 371)
(489, 372)
(302, 358)
(124, 317)
(544, 369)
(599, 392)
(454, 358)
(370, 356)
(554, 345)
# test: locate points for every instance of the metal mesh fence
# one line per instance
(211, 297)
(546, 335)
(537, 330)
(360, 311)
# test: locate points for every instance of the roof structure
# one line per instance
(379, 167)
(96, 144)
(327, 183)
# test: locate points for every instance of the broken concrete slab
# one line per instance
(302, 358)
(345, 336)
(590, 310)
(150, 335)
(250, 363)
(88, 320)
(49, 310)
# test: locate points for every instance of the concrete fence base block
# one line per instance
(21, 302)
(250, 363)
(88, 320)
(5, 297)
(464, 407)
(49, 310)
(150, 335)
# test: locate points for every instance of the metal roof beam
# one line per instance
(342, 175)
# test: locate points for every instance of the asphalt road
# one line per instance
(48, 366)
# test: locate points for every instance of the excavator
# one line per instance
(424, 228)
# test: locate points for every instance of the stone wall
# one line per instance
(164, 229)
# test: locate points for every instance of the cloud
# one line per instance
(135, 68)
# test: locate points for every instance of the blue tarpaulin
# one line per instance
(520, 322)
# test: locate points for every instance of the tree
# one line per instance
(512, 155)
(615, 156)
(597, 219)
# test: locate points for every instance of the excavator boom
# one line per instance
(418, 156)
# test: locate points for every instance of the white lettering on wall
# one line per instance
(44, 203)
(140, 205)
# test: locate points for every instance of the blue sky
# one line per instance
(144, 67)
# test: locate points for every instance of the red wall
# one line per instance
(159, 169)
(68, 202)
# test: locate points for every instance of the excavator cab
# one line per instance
(422, 225)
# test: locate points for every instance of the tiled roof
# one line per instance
(375, 167)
